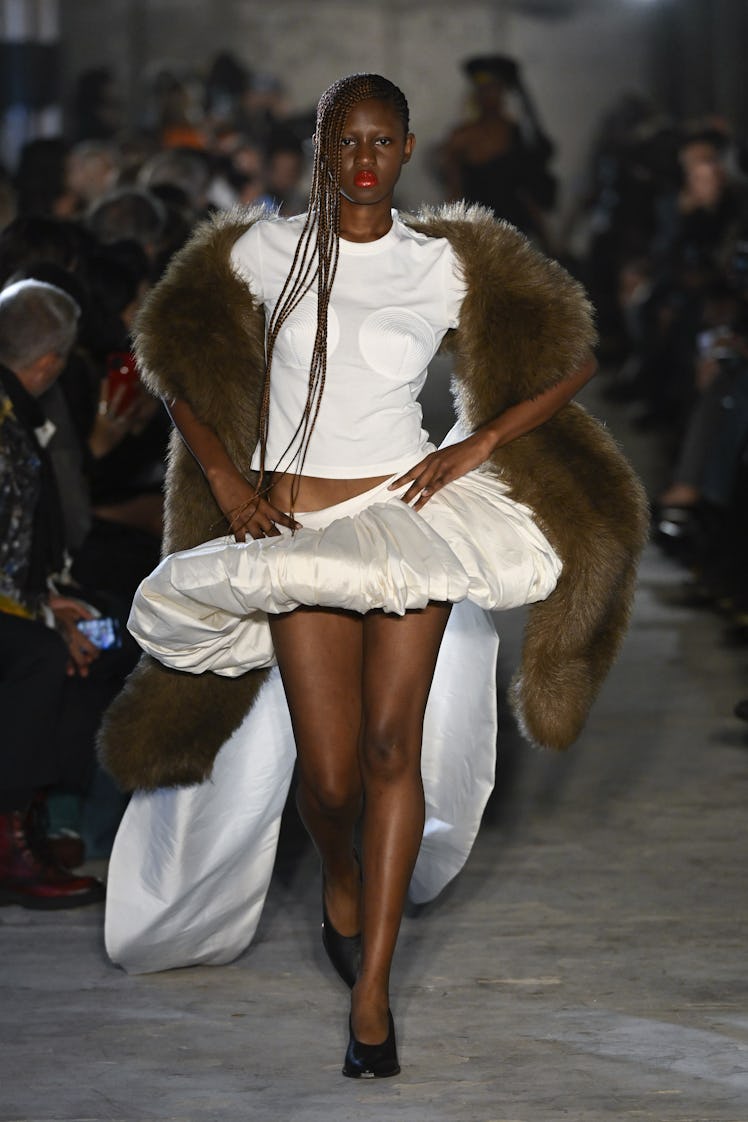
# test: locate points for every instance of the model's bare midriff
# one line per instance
(312, 492)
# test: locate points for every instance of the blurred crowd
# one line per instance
(665, 258)
(89, 222)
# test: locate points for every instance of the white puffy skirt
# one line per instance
(207, 608)
(190, 867)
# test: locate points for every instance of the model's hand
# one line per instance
(247, 512)
(450, 463)
(442, 467)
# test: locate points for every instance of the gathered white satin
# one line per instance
(206, 608)
(190, 867)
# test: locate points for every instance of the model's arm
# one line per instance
(245, 510)
(448, 464)
(527, 415)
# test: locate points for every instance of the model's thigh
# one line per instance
(399, 659)
(319, 653)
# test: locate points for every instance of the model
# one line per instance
(290, 354)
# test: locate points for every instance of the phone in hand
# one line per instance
(103, 632)
(122, 379)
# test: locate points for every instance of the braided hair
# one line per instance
(316, 256)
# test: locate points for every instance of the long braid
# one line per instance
(316, 256)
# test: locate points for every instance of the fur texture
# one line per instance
(525, 324)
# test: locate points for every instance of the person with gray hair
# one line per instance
(43, 653)
(38, 325)
(188, 170)
(92, 170)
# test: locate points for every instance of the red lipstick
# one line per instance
(365, 179)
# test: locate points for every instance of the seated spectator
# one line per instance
(51, 699)
(31, 239)
(91, 171)
(128, 213)
(109, 446)
(186, 169)
(260, 107)
(284, 172)
(96, 109)
(242, 162)
(700, 218)
(702, 517)
(7, 199)
(697, 224)
(128, 438)
(40, 182)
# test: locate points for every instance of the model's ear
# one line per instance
(410, 143)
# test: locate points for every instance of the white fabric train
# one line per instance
(190, 867)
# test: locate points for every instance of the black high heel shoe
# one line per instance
(372, 1061)
(343, 951)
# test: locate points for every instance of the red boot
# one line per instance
(28, 880)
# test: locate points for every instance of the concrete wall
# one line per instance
(575, 66)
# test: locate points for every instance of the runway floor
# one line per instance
(589, 964)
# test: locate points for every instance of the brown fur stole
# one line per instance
(525, 324)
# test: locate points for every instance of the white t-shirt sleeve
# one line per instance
(246, 260)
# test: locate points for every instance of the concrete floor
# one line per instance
(589, 964)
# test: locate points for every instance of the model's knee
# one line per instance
(332, 797)
(386, 753)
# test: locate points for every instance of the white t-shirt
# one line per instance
(391, 304)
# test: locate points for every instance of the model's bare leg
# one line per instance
(399, 658)
(319, 653)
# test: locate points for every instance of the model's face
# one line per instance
(374, 148)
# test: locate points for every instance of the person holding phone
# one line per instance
(50, 702)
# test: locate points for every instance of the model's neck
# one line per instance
(365, 223)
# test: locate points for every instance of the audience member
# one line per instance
(96, 109)
(91, 171)
(51, 699)
(499, 159)
(129, 214)
(7, 198)
(227, 82)
(40, 180)
(185, 168)
(29, 239)
(283, 174)
(679, 262)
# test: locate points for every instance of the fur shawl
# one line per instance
(525, 324)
